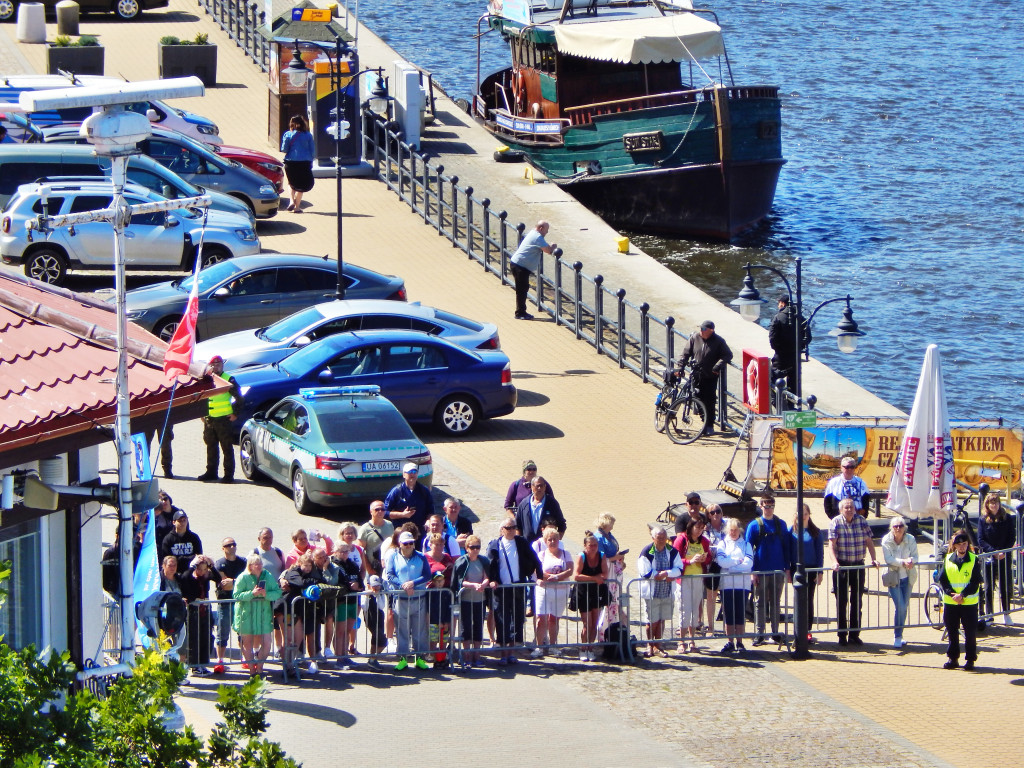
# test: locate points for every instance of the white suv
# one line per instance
(153, 241)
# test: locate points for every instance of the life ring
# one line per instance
(753, 396)
(518, 90)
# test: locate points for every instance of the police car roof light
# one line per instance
(314, 393)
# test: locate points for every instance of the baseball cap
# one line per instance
(411, 469)
(406, 538)
(216, 359)
(529, 464)
(692, 496)
(374, 581)
(178, 515)
(707, 325)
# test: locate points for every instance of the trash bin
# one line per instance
(31, 23)
(67, 18)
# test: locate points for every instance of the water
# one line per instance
(903, 124)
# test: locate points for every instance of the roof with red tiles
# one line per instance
(58, 365)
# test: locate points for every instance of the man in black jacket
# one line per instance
(182, 542)
(512, 564)
(536, 508)
(710, 354)
(782, 337)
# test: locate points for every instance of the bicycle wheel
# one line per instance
(661, 405)
(933, 606)
(686, 420)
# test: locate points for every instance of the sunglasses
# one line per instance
(895, 527)
(229, 544)
(473, 546)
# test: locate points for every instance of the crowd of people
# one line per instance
(403, 583)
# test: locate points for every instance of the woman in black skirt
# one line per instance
(298, 147)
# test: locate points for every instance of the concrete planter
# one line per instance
(185, 60)
(82, 60)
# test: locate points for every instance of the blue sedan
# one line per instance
(427, 378)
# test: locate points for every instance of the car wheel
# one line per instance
(164, 330)
(457, 415)
(214, 256)
(48, 265)
(6, 10)
(128, 9)
(302, 503)
(247, 456)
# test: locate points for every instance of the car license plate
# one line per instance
(382, 466)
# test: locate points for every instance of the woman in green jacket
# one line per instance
(255, 593)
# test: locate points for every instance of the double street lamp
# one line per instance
(847, 333)
(339, 129)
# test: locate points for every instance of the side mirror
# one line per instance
(152, 115)
(302, 341)
(259, 416)
(325, 377)
(170, 222)
(221, 293)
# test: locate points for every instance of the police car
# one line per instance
(332, 446)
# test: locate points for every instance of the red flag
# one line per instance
(179, 351)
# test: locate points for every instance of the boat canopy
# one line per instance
(655, 40)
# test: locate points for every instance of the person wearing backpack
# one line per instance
(768, 537)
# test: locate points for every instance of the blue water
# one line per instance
(903, 124)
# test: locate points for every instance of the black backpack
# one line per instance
(620, 649)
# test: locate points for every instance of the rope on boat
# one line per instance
(686, 133)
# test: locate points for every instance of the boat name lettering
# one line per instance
(526, 126)
(642, 142)
(767, 129)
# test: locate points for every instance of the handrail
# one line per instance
(634, 98)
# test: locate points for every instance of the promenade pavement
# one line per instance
(588, 426)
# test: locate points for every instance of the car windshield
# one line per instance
(464, 322)
(304, 360)
(371, 425)
(285, 329)
(211, 276)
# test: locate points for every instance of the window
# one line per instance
(257, 283)
(356, 363)
(282, 414)
(413, 357)
(21, 616)
(16, 174)
(379, 322)
(84, 203)
(53, 203)
(332, 327)
(322, 280)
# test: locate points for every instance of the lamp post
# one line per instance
(846, 332)
(339, 129)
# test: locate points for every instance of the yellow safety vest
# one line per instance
(220, 405)
(960, 577)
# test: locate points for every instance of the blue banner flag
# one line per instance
(140, 457)
(147, 569)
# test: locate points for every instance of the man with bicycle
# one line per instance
(710, 354)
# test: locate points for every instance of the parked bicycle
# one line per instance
(678, 411)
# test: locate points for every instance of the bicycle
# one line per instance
(687, 417)
(665, 398)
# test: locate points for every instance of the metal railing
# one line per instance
(240, 20)
(615, 326)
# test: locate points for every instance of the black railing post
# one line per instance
(558, 291)
(577, 290)
(503, 246)
(645, 340)
(621, 296)
(723, 394)
(670, 344)
(439, 196)
(486, 203)
(455, 211)
(598, 311)
(469, 222)
(425, 189)
(413, 158)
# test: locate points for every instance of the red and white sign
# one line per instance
(756, 381)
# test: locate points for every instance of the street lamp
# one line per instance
(339, 129)
(847, 333)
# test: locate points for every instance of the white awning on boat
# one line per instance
(676, 37)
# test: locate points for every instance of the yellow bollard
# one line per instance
(623, 244)
(528, 174)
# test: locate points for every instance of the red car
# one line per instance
(264, 164)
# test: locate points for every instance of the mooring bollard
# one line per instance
(31, 23)
(67, 18)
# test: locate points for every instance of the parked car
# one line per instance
(332, 446)
(125, 9)
(20, 130)
(156, 111)
(265, 165)
(25, 163)
(254, 291)
(427, 378)
(160, 240)
(193, 161)
(275, 342)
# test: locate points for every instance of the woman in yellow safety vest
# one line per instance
(960, 580)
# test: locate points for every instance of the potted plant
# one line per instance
(181, 58)
(83, 56)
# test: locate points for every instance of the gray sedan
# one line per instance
(275, 342)
(252, 291)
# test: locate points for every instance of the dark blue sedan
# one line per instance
(428, 379)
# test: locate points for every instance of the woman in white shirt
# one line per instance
(900, 551)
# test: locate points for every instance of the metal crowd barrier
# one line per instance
(240, 20)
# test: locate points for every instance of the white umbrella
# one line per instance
(923, 484)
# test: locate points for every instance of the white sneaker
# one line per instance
(593, 655)
(1008, 619)
(392, 645)
(584, 656)
(328, 654)
(313, 668)
(537, 653)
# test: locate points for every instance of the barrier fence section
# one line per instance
(864, 589)
(619, 328)
(240, 20)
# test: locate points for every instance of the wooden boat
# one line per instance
(624, 104)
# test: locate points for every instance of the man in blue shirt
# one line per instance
(768, 536)
(525, 262)
(409, 500)
(407, 573)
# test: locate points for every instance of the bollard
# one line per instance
(67, 18)
(31, 23)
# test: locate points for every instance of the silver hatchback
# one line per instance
(153, 241)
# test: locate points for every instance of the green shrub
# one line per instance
(62, 41)
(201, 38)
(88, 41)
(169, 40)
